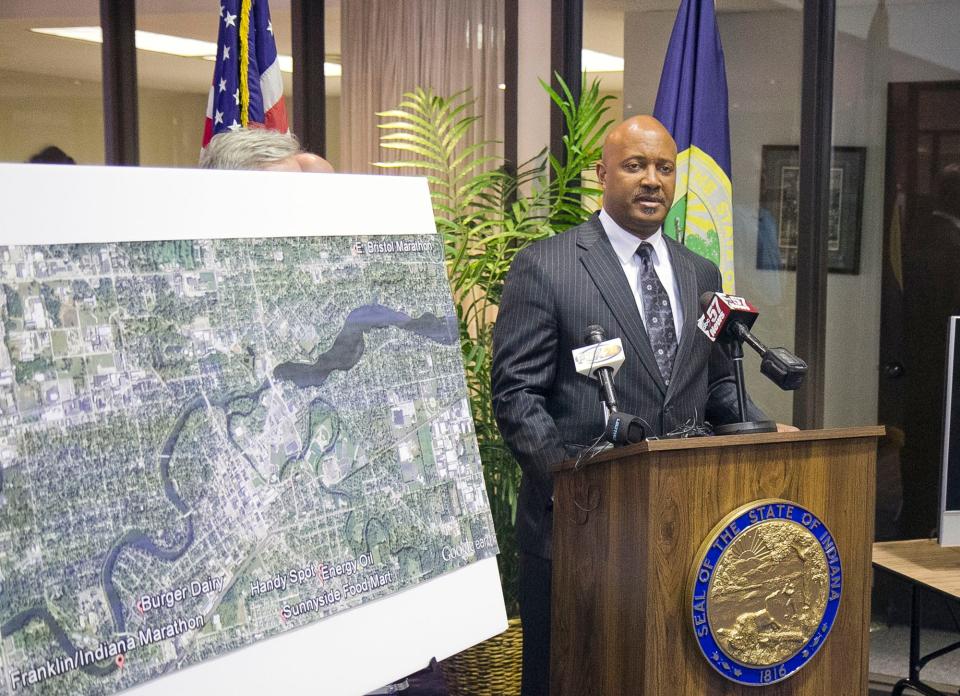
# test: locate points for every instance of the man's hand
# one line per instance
(786, 428)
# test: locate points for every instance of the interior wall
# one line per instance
(171, 127)
(332, 154)
(39, 110)
(853, 300)
(533, 65)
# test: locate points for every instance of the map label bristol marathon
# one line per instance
(395, 245)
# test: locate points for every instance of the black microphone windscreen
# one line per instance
(595, 334)
(705, 300)
(624, 429)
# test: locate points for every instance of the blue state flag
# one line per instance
(692, 104)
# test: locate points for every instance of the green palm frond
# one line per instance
(485, 214)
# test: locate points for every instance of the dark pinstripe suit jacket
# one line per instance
(554, 290)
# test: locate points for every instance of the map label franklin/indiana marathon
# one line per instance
(205, 443)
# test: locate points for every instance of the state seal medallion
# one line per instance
(764, 591)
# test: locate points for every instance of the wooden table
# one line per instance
(926, 566)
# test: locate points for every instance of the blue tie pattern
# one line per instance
(657, 313)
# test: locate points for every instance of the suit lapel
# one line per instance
(601, 262)
(687, 280)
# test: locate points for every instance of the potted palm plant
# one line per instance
(485, 213)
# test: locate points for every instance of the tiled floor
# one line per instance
(890, 651)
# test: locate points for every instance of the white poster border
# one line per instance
(353, 651)
(356, 651)
(63, 204)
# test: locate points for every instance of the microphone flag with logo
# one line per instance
(719, 309)
(692, 104)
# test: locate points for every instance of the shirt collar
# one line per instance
(625, 243)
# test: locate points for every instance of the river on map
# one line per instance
(345, 352)
(348, 347)
(41, 614)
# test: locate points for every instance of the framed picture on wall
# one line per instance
(779, 212)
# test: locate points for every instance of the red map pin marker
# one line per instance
(120, 660)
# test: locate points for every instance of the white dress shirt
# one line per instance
(625, 245)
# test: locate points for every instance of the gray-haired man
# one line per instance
(260, 148)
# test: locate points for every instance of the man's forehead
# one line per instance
(641, 142)
(639, 135)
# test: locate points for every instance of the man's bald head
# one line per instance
(623, 132)
(638, 174)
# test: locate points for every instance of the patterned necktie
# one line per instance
(657, 313)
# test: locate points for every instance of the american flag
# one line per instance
(247, 86)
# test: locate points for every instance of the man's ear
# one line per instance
(601, 173)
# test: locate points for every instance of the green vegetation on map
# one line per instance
(205, 443)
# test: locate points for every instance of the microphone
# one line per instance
(729, 319)
(601, 359)
(721, 312)
(624, 429)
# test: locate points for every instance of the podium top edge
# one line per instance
(666, 445)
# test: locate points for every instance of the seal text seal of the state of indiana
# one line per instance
(764, 591)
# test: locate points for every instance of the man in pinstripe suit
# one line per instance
(620, 271)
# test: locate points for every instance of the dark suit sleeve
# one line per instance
(525, 344)
(722, 399)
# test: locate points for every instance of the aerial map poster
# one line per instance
(210, 440)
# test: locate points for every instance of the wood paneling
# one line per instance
(626, 533)
(625, 453)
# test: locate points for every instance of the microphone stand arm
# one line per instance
(744, 336)
(735, 351)
(736, 354)
(784, 368)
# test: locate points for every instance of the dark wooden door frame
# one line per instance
(309, 85)
(511, 46)
(816, 121)
(566, 44)
(904, 392)
(121, 134)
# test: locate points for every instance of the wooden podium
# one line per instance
(628, 525)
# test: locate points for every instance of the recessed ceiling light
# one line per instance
(594, 61)
(329, 69)
(146, 40)
(170, 45)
